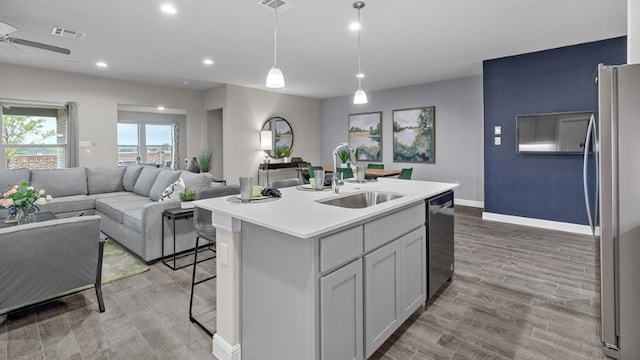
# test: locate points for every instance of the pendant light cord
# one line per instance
(275, 36)
(359, 70)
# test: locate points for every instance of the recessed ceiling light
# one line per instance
(168, 8)
(101, 64)
(207, 61)
(360, 75)
(355, 26)
(160, 108)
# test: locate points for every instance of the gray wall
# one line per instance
(459, 129)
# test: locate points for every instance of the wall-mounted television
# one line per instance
(552, 133)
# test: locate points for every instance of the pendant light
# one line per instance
(360, 96)
(275, 79)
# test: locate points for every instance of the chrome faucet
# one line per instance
(336, 181)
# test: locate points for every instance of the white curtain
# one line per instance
(176, 136)
(72, 135)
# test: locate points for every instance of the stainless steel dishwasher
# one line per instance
(440, 246)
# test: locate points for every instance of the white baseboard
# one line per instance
(223, 351)
(472, 203)
(539, 223)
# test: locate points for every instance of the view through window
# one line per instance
(33, 137)
(152, 142)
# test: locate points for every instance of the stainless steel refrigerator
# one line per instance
(614, 206)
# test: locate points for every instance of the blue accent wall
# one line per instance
(541, 186)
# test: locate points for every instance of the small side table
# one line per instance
(170, 259)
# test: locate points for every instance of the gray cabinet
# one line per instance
(394, 286)
(382, 291)
(341, 313)
(413, 271)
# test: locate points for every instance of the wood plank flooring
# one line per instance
(517, 293)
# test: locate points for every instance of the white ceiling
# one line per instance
(404, 42)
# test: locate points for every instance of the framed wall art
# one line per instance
(414, 135)
(365, 135)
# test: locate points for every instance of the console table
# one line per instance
(273, 166)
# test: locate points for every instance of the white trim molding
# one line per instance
(471, 203)
(539, 223)
(223, 351)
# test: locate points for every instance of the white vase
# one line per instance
(186, 204)
(287, 159)
(344, 165)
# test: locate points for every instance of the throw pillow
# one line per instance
(173, 191)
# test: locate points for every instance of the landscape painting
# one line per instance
(414, 135)
(365, 135)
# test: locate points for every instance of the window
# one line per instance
(152, 142)
(33, 137)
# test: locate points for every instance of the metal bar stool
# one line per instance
(206, 232)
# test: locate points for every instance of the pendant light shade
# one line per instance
(360, 96)
(275, 79)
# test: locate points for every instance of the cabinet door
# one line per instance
(413, 273)
(382, 290)
(341, 313)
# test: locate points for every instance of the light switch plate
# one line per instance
(498, 140)
(497, 130)
(223, 253)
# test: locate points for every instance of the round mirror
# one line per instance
(281, 137)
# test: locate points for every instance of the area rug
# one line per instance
(118, 264)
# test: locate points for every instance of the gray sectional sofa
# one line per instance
(126, 198)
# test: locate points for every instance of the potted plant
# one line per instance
(344, 156)
(286, 152)
(186, 197)
(204, 160)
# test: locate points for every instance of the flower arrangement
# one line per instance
(24, 198)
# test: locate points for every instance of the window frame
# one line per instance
(29, 107)
(142, 138)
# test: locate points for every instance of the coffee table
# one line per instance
(40, 216)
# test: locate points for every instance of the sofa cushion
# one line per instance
(114, 207)
(60, 182)
(130, 177)
(133, 220)
(8, 178)
(194, 181)
(69, 203)
(146, 180)
(172, 192)
(104, 179)
(164, 179)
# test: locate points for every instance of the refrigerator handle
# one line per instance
(587, 203)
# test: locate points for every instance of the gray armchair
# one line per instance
(49, 259)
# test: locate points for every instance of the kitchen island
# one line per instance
(300, 279)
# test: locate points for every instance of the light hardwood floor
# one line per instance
(517, 293)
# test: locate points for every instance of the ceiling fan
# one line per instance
(6, 29)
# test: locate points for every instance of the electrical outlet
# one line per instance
(498, 140)
(87, 152)
(222, 252)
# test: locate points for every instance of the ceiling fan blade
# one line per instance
(6, 28)
(39, 45)
(2, 40)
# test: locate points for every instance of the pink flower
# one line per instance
(7, 202)
(12, 191)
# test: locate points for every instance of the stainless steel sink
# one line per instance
(360, 200)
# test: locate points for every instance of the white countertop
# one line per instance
(298, 214)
